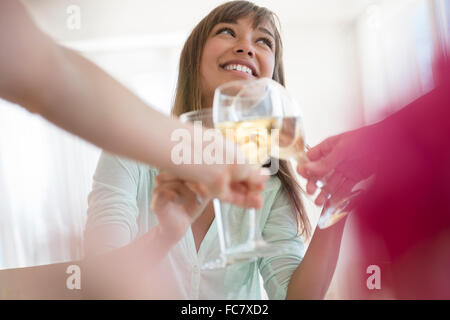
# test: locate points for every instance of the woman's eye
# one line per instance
(226, 31)
(266, 41)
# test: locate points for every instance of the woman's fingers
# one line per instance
(179, 194)
(186, 189)
(342, 190)
(253, 178)
(249, 196)
(333, 183)
(322, 149)
(311, 186)
(321, 198)
(241, 196)
(242, 191)
(162, 196)
(322, 159)
(165, 176)
(257, 178)
(249, 200)
(199, 189)
(192, 202)
(239, 186)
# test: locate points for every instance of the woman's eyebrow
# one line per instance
(264, 30)
(228, 22)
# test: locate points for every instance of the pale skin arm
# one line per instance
(73, 93)
(312, 278)
(129, 272)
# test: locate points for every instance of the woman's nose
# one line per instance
(244, 47)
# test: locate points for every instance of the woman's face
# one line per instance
(236, 51)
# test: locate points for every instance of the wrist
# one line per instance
(167, 237)
(372, 139)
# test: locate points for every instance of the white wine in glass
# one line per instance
(254, 137)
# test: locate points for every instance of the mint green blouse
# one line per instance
(119, 212)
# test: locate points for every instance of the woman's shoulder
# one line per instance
(275, 195)
(109, 161)
(272, 185)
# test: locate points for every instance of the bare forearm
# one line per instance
(314, 274)
(88, 102)
(132, 271)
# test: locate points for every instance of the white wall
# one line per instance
(322, 71)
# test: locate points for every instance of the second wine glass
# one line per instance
(237, 228)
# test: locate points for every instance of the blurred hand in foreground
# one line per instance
(339, 163)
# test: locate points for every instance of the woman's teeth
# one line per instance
(239, 67)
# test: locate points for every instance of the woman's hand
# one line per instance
(177, 204)
(340, 162)
(229, 178)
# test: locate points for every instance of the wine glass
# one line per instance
(237, 229)
(265, 121)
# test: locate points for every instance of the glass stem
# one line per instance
(252, 225)
(217, 212)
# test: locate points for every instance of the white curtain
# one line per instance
(45, 177)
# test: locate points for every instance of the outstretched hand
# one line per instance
(339, 162)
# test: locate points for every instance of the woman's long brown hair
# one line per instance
(188, 95)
